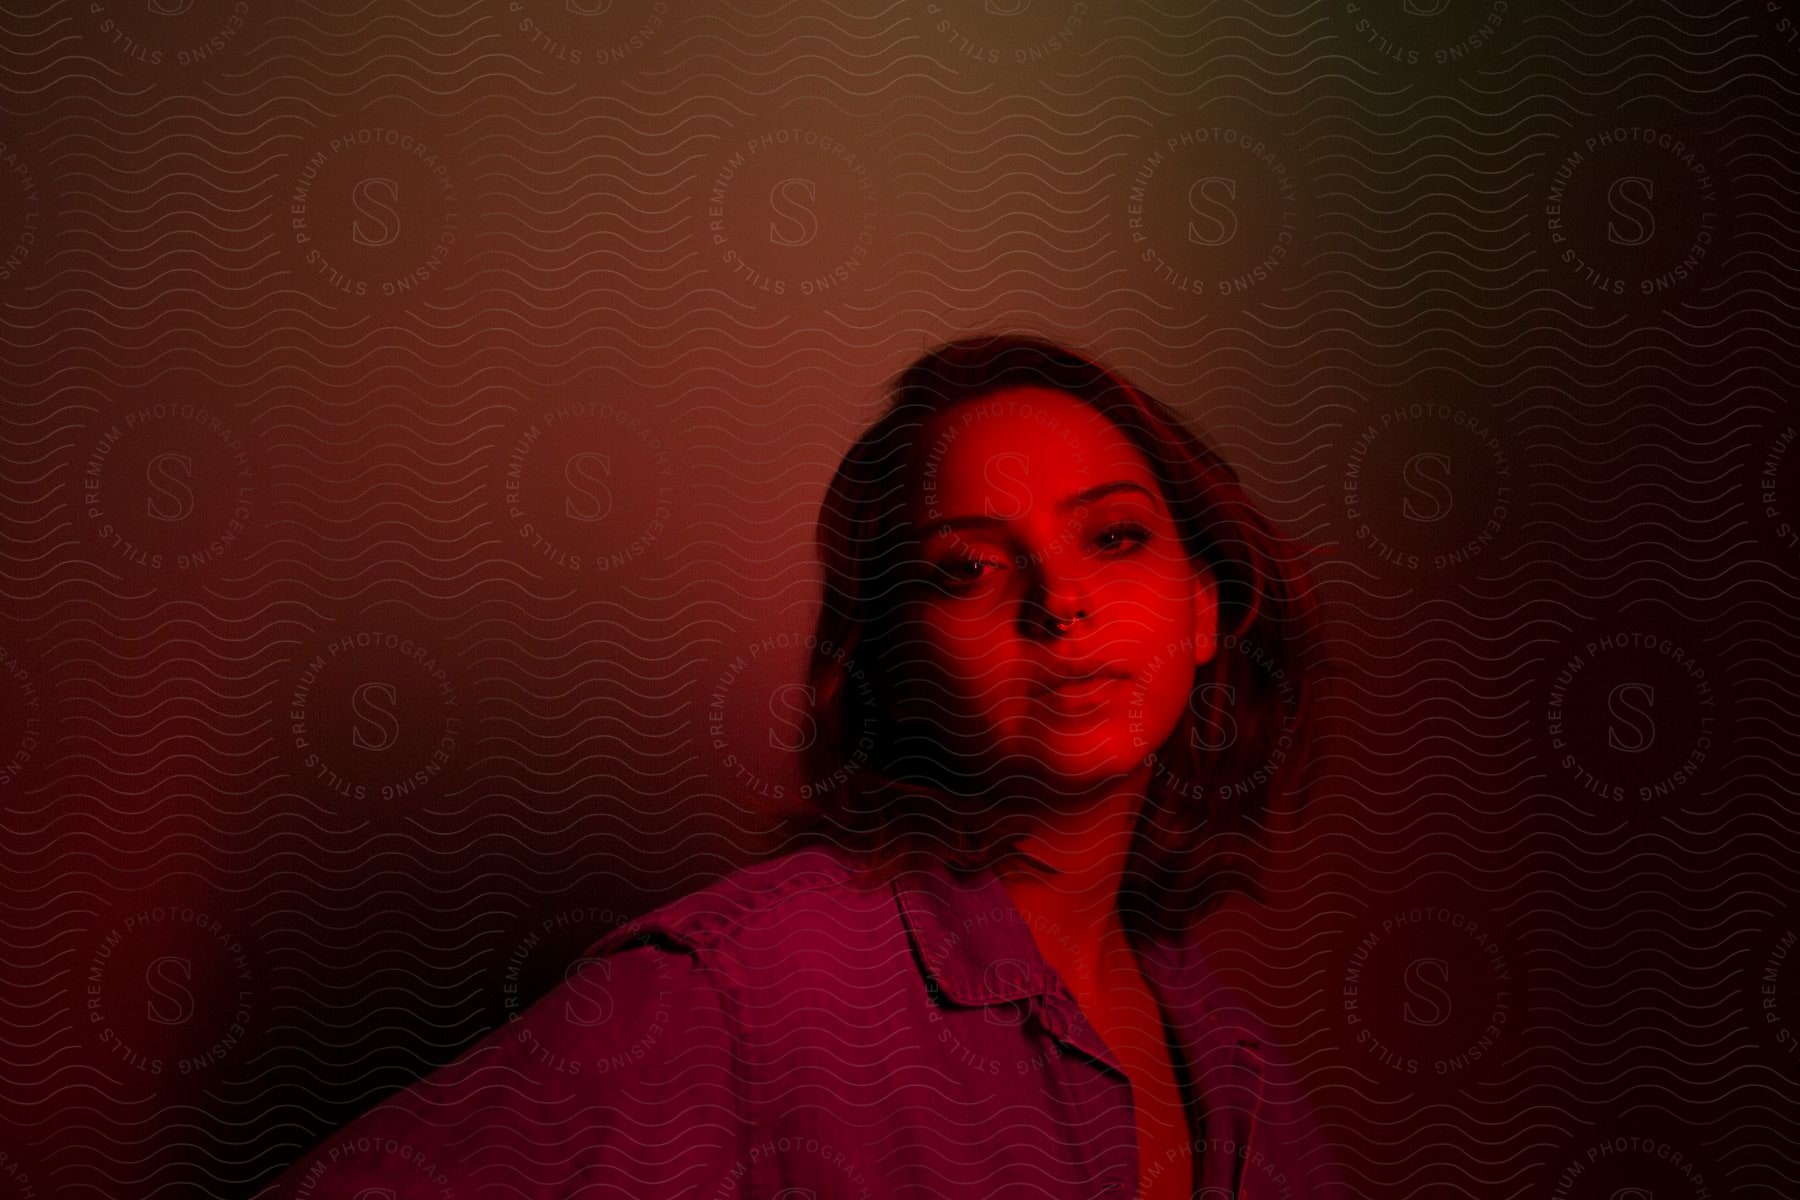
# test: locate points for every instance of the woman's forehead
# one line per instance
(1031, 433)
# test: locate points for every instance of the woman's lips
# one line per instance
(1085, 693)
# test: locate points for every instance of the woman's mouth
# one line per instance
(1078, 694)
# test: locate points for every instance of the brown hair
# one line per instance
(1197, 838)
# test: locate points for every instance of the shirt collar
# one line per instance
(971, 939)
(974, 945)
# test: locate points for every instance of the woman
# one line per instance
(1058, 661)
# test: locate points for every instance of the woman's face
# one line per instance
(1033, 505)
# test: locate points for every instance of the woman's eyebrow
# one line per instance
(1098, 492)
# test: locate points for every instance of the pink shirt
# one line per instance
(796, 1031)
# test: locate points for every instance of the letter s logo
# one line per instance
(789, 708)
(372, 715)
(1630, 197)
(1432, 488)
(1619, 705)
(588, 467)
(1009, 487)
(1215, 728)
(170, 8)
(1217, 192)
(1424, 980)
(1008, 8)
(375, 199)
(590, 1000)
(793, 199)
(1005, 975)
(167, 979)
(1425, 8)
(170, 499)
(589, 8)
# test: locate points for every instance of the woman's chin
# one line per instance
(1080, 761)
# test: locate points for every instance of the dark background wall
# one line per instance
(415, 412)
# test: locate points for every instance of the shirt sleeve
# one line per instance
(624, 1080)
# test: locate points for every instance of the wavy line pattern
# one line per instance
(416, 416)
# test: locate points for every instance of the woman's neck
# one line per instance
(1068, 880)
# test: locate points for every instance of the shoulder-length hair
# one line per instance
(1202, 832)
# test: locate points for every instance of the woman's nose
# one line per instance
(1056, 601)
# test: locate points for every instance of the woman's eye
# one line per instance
(964, 570)
(1126, 533)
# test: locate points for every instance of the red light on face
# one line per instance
(1077, 697)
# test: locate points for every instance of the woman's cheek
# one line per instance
(1166, 694)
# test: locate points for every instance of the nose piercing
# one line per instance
(1060, 626)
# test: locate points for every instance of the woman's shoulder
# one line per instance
(786, 901)
(646, 1039)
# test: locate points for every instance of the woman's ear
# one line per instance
(1206, 617)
